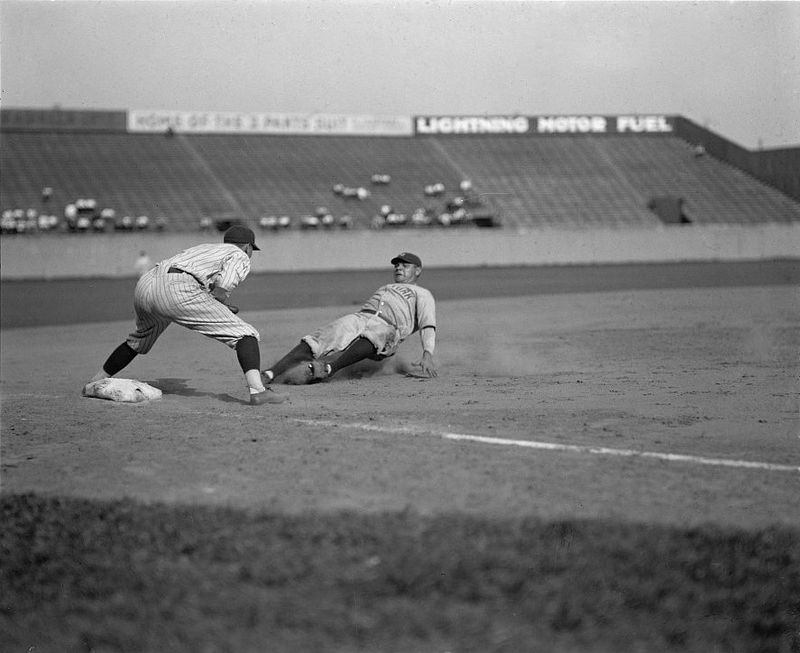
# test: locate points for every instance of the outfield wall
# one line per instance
(113, 255)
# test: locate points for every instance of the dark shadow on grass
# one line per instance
(179, 387)
(576, 585)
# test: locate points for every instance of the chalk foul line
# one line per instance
(554, 446)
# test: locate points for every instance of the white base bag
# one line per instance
(128, 390)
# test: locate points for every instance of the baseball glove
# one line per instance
(233, 309)
(222, 299)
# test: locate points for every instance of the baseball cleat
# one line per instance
(269, 396)
(320, 370)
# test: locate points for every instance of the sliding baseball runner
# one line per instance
(375, 331)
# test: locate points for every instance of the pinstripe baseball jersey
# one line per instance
(408, 306)
(177, 290)
(223, 264)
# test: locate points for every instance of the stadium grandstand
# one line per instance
(88, 172)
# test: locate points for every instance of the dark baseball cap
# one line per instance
(238, 235)
(407, 257)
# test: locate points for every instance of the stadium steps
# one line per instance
(528, 182)
(610, 181)
(714, 192)
(135, 175)
(293, 175)
(549, 181)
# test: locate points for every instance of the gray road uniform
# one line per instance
(386, 319)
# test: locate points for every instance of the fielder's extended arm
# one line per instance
(221, 295)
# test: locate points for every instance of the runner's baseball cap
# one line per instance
(407, 257)
(239, 235)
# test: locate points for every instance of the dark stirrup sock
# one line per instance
(357, 350)
(119, 359)
(300, 354)
(248, 353)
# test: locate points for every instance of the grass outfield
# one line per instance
(80, 575)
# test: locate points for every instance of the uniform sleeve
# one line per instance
(426, 310)
(233, 270)
(428, 339)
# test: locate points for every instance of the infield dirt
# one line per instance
(710, 373)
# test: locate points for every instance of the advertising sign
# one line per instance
(544, 124)
(61, 120)
(234, 122)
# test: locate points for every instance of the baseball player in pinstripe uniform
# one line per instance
(386, 319)
(191, 289)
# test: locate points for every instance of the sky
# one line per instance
(733, 67)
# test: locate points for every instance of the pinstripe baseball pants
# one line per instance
(162, 298)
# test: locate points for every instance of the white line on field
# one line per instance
(554, 446)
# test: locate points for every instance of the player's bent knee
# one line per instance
(139, 347)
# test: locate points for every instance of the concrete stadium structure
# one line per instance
(563, 189)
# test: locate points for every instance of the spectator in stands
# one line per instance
(460, 215)
(86, 205)
(47, 194)
(420, 217)
(31, 220)
(396, 219)
(274, 222)
(434, 190)
(8, 224)
(20, 223)
(47, 222)
(469, 197)
(83, 223)
(309, 222)
(71, 216)
(456, 203)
